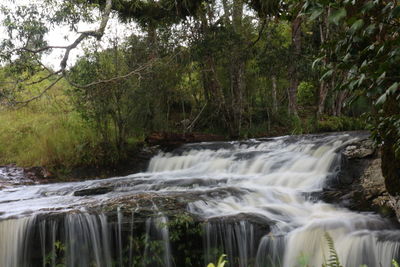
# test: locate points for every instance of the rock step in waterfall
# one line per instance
(256, 201)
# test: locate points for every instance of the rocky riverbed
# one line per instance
(248, 199)
(359, 185)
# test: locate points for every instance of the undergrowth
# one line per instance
(47, 132)
(30, 138)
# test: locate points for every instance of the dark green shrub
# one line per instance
(306, 94)
(342, 123)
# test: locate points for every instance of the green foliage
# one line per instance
(365, 54)
(337, 15)
(303, 260)
(333, 260)
(49, 132)
(224, 72)
(106, 106)
(43, 139)
(57, 256)
(46, 133)
(221, 262)
(306, 94)
(342, 123)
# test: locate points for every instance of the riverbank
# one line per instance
(359, 185)
(247, 199)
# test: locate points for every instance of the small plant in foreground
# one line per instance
(221, 262)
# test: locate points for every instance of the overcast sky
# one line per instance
(57, 36)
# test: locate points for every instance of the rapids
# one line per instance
(272, 180)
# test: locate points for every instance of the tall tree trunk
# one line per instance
(293, 70)
(237, 69)
(152, 41)
(212, 88)
(274, 94)
(339, 101)
(323, 93)
(324, 87)
(391, 163)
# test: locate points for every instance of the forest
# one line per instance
(301, 98)
(238, 69)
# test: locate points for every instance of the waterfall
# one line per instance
(251, 199)
(274, 178)
(14, 234)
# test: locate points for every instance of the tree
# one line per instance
(366, 56)
(27, 27)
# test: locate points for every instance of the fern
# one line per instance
(333, 260)
(221, 262)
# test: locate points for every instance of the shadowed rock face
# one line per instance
(259, 201)
(93, 191)
(360, 185)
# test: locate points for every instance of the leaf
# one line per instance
(392, 89)
(317, 61)
(381, 77)
(364, 64)
(316, 13)
(370, 29)
(347, 57)
(381, 49)
(362, 78)
(381, 99)
(357, 25)
(396, 12)
(327, 74)
(337, 15)
(368, 6)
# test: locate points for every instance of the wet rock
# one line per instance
(93, 191)
(174, 140)
(255, 219)
(38, 173)
(12, 175)
(361, 149)
(360, 184)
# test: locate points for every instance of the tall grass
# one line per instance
(47, 139)
(48, 133)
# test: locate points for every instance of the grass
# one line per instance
(42, 138)
(48, 133)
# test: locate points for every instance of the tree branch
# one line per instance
(51, 74)
(63, 64)
(97, 33)
(25, 102)
(137, 71)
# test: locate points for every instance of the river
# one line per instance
(244, 186)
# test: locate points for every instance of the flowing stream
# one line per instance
(259, 206)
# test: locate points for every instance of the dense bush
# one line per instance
(306, 95)
(342, 123)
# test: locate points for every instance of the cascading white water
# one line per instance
(273, 178)
(254, 200)
(13, 234)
